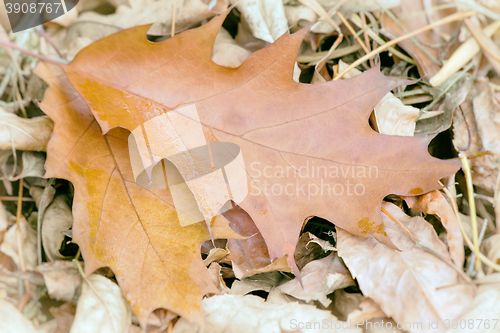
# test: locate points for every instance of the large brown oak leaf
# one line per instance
(282, 127)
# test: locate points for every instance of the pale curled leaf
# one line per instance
(296, 14)
(4, 219)
(227, 52)
(466, 138)
(360, 5)
(486, 107)
(63, 319)
(392, 116)
(491, 248)
(446, 100)
(482, 313)
(264, 282)
(266, 18)
(22, 133)
(319, 278)
(355, 308)
(435, 203)
(62, 279)
(31, 164)
(101, 308)
(19, 243)
(13, 321)
(310, 247)
(411, 285)
(231, 313)
(367, 310)
(395, 118)
(138, 12)
(55, 219)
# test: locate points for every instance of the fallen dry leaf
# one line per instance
(447, 99)
(482, 314)
(382, 325)
(30, 165)
(411, 285)
(137, 12)
(435, 203)
(19, 243)
(117, 223)
(361, 5)
(249, 256)
(215, 271)
(4, 221)
(62, 279)
(367, 310)
(309, 248)
(391, 115)
(486, 113)
(297, 14)
(395, 118)
(101, 308)
(63, 318)
(355, 308)
(292, 137)
(475, 131)
(231, 313)
(318, 279)
(491, 248)
(264, 282)
(227, 52)
(11, 320)
(265, 18)
(55, 219)
(22, 133)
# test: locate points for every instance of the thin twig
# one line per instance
(472, 206)
(357, 21)
(12, 198)
(19, 214)
(174, 13)
(41, 57)
(20, 253)
(364, 27)
(478, 254)
(381, 48)
(352, 31)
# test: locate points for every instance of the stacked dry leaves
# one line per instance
(373, 235)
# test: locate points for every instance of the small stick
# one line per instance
(12, 198)
(365, 35)
(357, 21)
(19, 215)
(9, 45)
(478, 254)
(174, 13)
(352, 31)
(472, 206)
